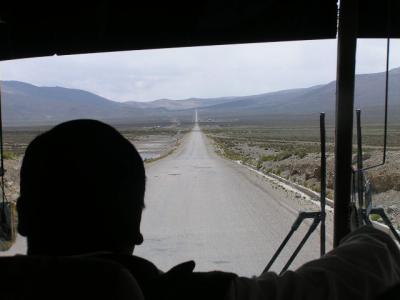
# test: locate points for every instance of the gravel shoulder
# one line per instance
(299, 162)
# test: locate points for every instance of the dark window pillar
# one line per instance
(346, 59)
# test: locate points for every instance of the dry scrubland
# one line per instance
(294, 154)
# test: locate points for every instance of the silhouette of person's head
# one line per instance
(82, 190)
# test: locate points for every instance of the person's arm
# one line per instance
(366, 263)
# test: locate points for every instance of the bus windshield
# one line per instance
(229, 136)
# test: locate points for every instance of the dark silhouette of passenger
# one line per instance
(82, 193)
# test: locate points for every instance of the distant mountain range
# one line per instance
(26, 104)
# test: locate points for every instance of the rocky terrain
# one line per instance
(298, 161)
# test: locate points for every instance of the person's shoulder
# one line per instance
(368, 234)
(139, 267)
(144, 271)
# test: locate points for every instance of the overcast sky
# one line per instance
(214, 71)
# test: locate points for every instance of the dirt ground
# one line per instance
(12, 167)
(299, 162)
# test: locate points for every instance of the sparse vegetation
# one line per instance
(294, 153)
(5, 245)
(9, 155)
(375, 218)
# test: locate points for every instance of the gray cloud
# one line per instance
(213, 71)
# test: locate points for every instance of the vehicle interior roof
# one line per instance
(42, 28)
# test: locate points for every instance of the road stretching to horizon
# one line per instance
(202, 207)
(222, 215)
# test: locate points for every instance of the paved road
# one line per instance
(203, 207)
